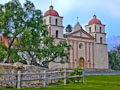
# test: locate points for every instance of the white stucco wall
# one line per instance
(101, 56)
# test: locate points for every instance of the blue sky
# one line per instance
(108, 11)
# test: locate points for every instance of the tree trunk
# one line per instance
(9, 60)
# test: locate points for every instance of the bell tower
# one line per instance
(97, 30)
(54, 22)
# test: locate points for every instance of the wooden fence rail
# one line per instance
(45, 77)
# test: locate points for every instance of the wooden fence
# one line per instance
(44, 77)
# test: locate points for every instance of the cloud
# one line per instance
(108, 7)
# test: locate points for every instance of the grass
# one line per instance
(93, 82)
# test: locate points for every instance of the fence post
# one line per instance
(83, 73)
(65, 77)
(19, 80)
(45, 78)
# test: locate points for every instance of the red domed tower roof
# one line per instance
(94, 21)
(51, 12)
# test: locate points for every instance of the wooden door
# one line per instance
(81, 63)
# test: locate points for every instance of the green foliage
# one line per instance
(72, 80)
(1, 74)
(114, 59)
(76, 72)
(28, 36)
(3, 52)
(69, 28)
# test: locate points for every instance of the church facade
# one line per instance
(89, 48)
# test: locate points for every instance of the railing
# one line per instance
(45, 76)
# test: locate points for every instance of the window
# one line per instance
(89, 29)
(101, 40)
(100, 29)
(44, 21)
(56, 21)
(80, 45)
(56, 34)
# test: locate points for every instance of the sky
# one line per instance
(108, 11)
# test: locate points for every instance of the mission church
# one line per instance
(89, 48)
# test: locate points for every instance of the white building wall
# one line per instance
(50, 21)
(103, 38)
(101, 56)
(46, 20)
(97, 28)
(83, 52)
(59, 19)
(56, 28)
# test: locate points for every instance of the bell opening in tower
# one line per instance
(56, 34)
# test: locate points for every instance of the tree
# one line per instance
(69, 28)
(41, 52)
(14, 19)
(114, 58)
(29, 38)
(3, 52)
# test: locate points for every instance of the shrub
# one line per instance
(76, 72)
(72, 80)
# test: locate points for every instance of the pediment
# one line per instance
(79, 34)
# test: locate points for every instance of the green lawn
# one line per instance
(95, 82)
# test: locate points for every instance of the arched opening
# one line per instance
(56, 34)
(82, 62)
(89, 29)
(101, 40)
(80, 45)
(100, 29)
(56, 21)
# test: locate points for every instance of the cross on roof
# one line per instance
(77, 19)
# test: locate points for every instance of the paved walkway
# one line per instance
(102, 73)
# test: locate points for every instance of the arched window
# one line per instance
(100, 29)
(44, 21)
(89, 29)
(101, 40)
(56, 34)
(56, 21)
(80, 45)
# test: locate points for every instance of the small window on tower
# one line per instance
(44, 21)
(56, 21)
(101, 40)
(56, 34)
(89, 29)
(100, 29)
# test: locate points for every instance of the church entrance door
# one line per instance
(81, 62)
